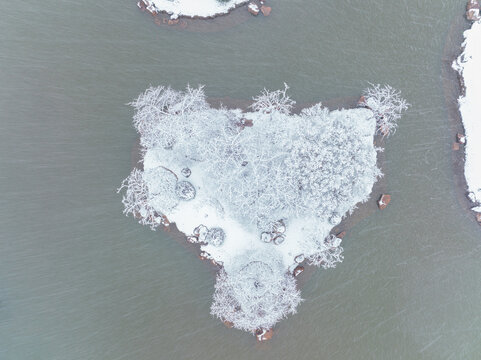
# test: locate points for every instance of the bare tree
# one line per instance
(136, 200)
(387, 105)
(328, 253)
(277, 101)
(255, 296)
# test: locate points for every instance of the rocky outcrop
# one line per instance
(384, 201)
(473, 10)
(298, 270)
(461, 138)
(253, 8)
(266, 10)
(264, 335)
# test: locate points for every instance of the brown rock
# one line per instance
(204, 255)
(266, 10)
(473, 14)
(173, 22)
(455, 146)
(473, 4)
(461, 138)
(341, 234)
(298, 270)
(228, 324)
(478, 218)
(253, 8)
(384, 201)
(362, 102)
(264, 335)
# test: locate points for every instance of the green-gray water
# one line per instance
(78, 280)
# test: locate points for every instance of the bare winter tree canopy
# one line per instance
(257, 190)
(387, 105)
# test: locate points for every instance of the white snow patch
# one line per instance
(191, 8)
(468, 64)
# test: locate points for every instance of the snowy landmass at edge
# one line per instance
(468, 64)
(192, 8)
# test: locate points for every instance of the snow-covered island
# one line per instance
(258, 190)
(192, 8)
(468, 65)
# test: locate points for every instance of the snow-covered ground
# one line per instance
(259, 190)
(191, 8)
(468, 65)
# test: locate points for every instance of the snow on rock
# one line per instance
(468, 65)
(253, 8)
(192, 8)
(472, 10)
(258, 196)
(384, 201)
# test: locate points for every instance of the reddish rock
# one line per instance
(266, 10)
(192, 239)
(362, 102)
(341, 234)
(253, 9)
(455, 146)
(264, 335)
(173, 22)
(473, 4)
(473, 10)
(228, 324)
(204, 255)
(384, 201)
(478, 218)
(298, 270)
(461, 138)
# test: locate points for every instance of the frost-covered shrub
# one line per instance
(269, 102)
(387, 105)
(255, 296)
(161, 184)
(328, 254)
(136, 200)
(330, 165)
(185, 190)
(162, 115)
(215, 236)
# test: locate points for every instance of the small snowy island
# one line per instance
(192, 8)
(259, 191)
(468, 65)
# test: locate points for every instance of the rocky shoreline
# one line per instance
(454, 88)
